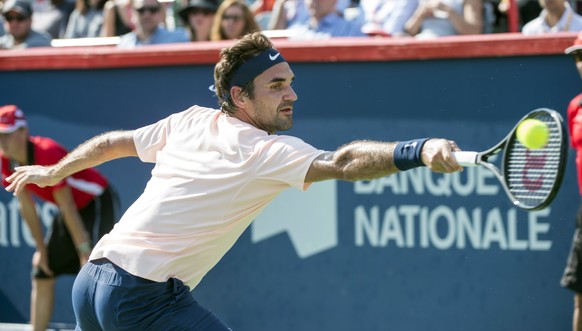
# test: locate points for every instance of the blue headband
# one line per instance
(256, 66)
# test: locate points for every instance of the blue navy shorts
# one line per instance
(106, 297)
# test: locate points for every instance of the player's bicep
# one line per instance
(124, 144)
(322, 168)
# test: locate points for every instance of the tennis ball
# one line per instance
(533, 133)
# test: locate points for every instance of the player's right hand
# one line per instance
(437, 155)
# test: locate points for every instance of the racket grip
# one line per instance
(466, 159)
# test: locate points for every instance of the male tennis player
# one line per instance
(215, 171)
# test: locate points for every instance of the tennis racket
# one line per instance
(530, 177)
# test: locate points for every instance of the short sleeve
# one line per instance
(287, 159)
(151, 139)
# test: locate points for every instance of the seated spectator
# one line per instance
(198, 16)
(324, 22)
(386, 17)
(117, 18)
(233, 20)
(18, 25)
(286, 13)
(437, 18)
(148, 30)
(52, 16)
(2, 31)
(556, 16)
(261, 10)
(86, 20)
(527, 9)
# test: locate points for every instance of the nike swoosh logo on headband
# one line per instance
(274, 57)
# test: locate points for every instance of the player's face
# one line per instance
(271, 109)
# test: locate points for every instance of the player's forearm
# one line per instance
(98, 150)
(363, 160)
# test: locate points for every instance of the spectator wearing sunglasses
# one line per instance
(198, 16)
(18, 25)
(148, 18)
(233, 20)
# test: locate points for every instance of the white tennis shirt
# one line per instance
(213, 175)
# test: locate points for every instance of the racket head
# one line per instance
(532, 177)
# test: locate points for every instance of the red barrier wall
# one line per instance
(339, 49)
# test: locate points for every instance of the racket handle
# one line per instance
(466, 159)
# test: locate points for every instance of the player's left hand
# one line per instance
(437, 155)
(34, 174)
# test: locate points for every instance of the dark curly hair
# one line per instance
(231, 59)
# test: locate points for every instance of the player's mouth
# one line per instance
(286, 111)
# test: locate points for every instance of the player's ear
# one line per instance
(237, 96)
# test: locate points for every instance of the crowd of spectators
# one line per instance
(133, 23)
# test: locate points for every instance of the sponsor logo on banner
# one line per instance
(412, 209)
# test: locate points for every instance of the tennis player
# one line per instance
(215, 171)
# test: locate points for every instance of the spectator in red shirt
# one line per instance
(572, 277)
(87, 210)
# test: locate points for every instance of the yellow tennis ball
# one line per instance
(533, 133)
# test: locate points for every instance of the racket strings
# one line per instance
(531, 174)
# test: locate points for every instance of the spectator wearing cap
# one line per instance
(556, 16)
(198, 16)
(18, 25)
(87, 210)
(572, 277)
(148, 18)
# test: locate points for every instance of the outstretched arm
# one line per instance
(364, 160)
(97, 150)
